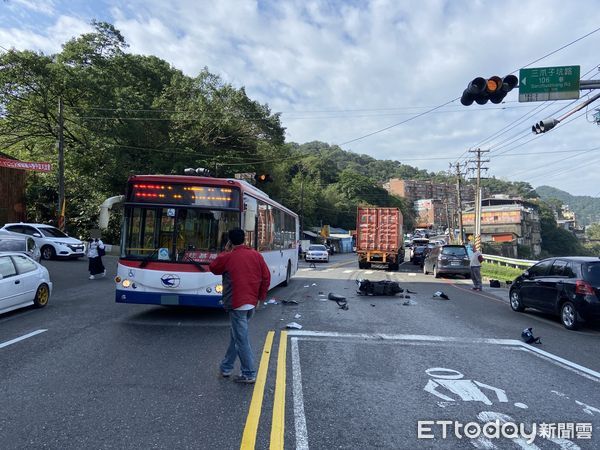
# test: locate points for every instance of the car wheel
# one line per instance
(48, 252)
(361, 265)
(42, 296)
(515, 301)
(467, 276)
(288, 274)
(436, 274)
(568, 316)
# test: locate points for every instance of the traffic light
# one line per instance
(544, 125)
(493, 89)
(263, 178)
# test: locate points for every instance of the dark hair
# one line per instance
(237, 236)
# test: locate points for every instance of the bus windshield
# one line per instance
(176, 234)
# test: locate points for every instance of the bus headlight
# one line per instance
(219, 288)
(126, 283)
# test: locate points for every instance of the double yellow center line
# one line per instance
(278, 418)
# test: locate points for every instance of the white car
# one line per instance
(50, 240)
(23, 244)
(317, 253)
(23, 282)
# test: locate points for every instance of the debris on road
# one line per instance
(495, 283)
(440, 294)
(527, 336)
(294, 326)
(289, 302)
(271, 301)
(339, 299)
(409, 303)
(297, 316)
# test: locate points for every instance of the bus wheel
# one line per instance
(288, 274)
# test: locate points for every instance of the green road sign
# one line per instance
(548, 83)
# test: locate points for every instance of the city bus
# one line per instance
(175, 225)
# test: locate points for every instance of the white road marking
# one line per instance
(26, 336)
(587, 408)
(581, 370)
(348, 271)
(299, 414)
(369, 272)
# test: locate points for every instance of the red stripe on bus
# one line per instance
(164, 267)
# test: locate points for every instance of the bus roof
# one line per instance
(244, 186)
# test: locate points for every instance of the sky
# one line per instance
(381, 78)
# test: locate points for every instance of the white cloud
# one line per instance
(374, 64)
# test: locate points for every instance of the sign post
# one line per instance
(549, 83)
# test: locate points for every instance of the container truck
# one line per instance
(379, 237)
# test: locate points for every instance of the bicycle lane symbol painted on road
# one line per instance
(451, 386)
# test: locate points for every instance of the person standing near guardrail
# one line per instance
(475, 263)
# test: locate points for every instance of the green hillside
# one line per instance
(586, 208)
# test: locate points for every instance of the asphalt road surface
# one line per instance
(388, 372)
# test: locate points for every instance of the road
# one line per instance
(90, 373)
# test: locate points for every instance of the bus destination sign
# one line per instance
(184, 194)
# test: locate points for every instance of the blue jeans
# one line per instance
(239, 344)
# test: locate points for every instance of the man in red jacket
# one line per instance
(246, 280)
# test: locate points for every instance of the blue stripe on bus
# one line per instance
(155, 298)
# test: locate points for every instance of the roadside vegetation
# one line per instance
(497, 272)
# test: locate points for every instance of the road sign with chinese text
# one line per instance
(548, 83)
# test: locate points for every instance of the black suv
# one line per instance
(564, 286)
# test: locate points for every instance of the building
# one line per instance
(413, 190)
(12, 186)
(507, 223)
(12, 190)
(432, 213)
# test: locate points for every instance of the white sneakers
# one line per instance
(100, 275)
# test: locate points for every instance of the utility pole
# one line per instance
(478, 161)
(459, 205)
(61, 165)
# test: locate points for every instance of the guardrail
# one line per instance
(509, 262)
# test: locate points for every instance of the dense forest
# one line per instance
(131, 114)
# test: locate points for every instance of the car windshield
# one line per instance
(591, 273)
(12, 245)
(317, 248)
(454, 251)
(52, 232)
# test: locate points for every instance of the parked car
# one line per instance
(23, 282)
(568, 287)
(50, 240)
(447, 259)
(23, 244)
(317, 252)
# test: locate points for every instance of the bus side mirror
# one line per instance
(250, 207)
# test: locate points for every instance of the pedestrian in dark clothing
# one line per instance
(246, 280)
(94, 254)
